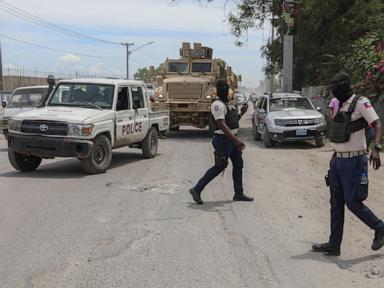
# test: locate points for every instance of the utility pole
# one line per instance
(129, 52)
(1, 71)
(126, 44)
(290, 14)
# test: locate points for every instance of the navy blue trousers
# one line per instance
(222, 143)
(347, 189)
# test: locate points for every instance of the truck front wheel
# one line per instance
(150, 143)
(23, 162)
(100, 157)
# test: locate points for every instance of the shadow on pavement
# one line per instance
(71, 168)
(210, 206)
(343, 264)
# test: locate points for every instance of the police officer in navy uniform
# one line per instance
(226, 144)
(348, 177)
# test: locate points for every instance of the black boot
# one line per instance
(327, 249)
(378, 241)
(242, 197)
(196, 196)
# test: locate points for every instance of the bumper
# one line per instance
(48, 147)
(291, 135)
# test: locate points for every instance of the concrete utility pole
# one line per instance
(1, 71)
(290, 15)
(126, 44)
(287, 63)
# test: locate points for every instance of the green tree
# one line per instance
(143, 74)
(326, 31)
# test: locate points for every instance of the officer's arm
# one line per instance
(228, 133)
(378, 131)
(375, 154)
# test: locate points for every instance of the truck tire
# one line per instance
(100, 157)
(268, 142)
(23, 162)
(320, 142)
(150, 143)
(255, 133)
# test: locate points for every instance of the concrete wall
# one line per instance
(10, 83)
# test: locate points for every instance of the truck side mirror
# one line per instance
(4, 104)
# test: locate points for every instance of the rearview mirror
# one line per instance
(4, 104)
(318, 109)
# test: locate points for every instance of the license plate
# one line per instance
(301, 132)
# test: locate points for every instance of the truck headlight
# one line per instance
(279, 122)
(208, 97)
(80, 130)
(14, 125)
(318, 120)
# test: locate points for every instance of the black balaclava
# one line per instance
(222, 89)
(341, 87)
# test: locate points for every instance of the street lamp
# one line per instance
(129, 52)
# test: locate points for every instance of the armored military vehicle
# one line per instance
(186, 86)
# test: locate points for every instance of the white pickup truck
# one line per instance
(86, 119)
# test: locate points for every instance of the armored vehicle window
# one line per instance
(203, 67)
(137, 98)
(123, 99)
(178, 67)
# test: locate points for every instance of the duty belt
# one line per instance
(350, 154)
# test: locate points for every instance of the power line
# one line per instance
(58, 50)
(6, 7)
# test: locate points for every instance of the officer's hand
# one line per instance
(375, 159)
(244, 109)
(240, 145)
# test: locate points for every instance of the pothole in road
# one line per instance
(157, 187)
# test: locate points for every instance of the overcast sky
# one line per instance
(138, 21)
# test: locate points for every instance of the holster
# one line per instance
(220, 159)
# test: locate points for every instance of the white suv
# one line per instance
(281, 117)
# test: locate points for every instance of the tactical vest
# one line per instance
(231, 119)
(343, 127)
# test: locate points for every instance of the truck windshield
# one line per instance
(28, 97)
(178, 67)
(94, 96)
(281, 104)
(202, 67)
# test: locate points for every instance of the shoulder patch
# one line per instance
(216, 107)
(366, 103)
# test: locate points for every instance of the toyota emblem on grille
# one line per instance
(300, 122)
(43, 127)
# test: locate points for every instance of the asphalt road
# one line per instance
(136, 226)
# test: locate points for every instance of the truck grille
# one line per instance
(295, 122)
(44, 127)
(188, 91)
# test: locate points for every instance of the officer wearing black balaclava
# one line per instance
(225, 143)
(348, 175)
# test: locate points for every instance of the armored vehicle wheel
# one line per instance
(320, 142)
(268, 142)
(100, 157)
(150, 143)
(255, 133)
(23, 162)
